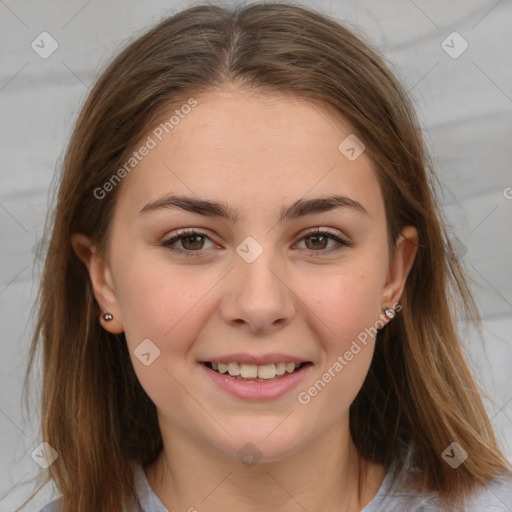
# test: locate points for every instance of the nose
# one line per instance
(258, 297)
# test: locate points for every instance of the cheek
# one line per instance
(159, 302)
(348, 303)
(349, 309)
(162, 305)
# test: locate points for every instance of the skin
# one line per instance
(257, 154)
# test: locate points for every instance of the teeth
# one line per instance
(290, 367)
(252, 371)
(280, 368)
(268, 371)
(233, 369)
(248, 371)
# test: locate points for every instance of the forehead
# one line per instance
(252, 150)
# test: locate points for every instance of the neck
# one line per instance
(324, 475)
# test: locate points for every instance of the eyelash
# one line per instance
(185, 233)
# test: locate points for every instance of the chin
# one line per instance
(255, 445)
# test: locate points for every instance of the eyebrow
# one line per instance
(210, 208)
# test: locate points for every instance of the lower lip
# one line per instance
(258, 391)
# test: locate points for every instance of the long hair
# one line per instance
(419, 390)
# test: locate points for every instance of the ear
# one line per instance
(405, 253)
(101, 279)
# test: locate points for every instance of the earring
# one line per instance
(107, 317)
(389, 313)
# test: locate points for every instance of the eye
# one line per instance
(318, 240)
(191, 240)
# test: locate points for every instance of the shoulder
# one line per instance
(53, 506)
(396, 493)
(495, 496)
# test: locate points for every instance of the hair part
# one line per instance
(419, 390)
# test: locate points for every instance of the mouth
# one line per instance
(256, 373)
(256, 382)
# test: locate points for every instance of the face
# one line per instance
(307, 287)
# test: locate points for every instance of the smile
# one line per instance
(256, 382)
(253, 371)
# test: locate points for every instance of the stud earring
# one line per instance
(389, 313)
(107, 317)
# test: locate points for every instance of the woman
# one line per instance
(247, 299)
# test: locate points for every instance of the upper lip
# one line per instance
(257, 360)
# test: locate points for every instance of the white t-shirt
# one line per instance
(495, 497)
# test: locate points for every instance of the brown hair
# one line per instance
(419, 390)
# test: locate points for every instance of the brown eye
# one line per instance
(317, 242)
(196, 242)
(192, 243)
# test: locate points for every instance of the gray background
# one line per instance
(465, 105)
